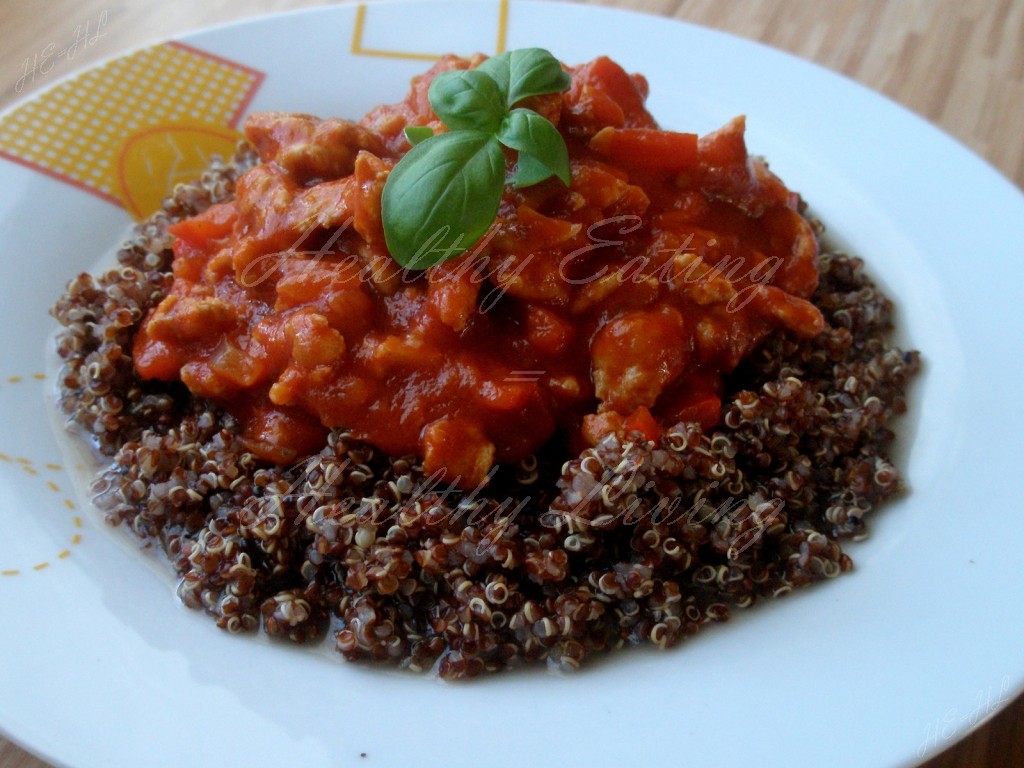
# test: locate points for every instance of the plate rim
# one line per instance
(922, 123)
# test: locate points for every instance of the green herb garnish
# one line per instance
(443, 195)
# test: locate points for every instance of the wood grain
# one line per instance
(957, 63)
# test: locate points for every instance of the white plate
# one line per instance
(100, 666)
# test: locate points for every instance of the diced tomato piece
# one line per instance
(643, 422)
(649, 148)
(629, 92)
(726, 146)
(704, 409)
(594, 108)
(189, 261)
(215, 223)
(155, 359)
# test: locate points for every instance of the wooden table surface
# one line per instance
(958, 63)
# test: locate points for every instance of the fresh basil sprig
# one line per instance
(443, 195)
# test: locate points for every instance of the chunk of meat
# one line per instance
(309, 148)
(453, 290)
(457, 451)
(636, 355)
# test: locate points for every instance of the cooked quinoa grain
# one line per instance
(630, 542)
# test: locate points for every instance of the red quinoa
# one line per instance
(629, 542)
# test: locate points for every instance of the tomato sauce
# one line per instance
(617, 303)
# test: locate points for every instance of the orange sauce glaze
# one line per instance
(615, 304)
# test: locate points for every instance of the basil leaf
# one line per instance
(417, 133)
(499, 69)
(525, 72)
(528, 132)
(442, 197)
(467, 100)
(530, 171)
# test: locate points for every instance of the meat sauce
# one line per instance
(615, 304)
